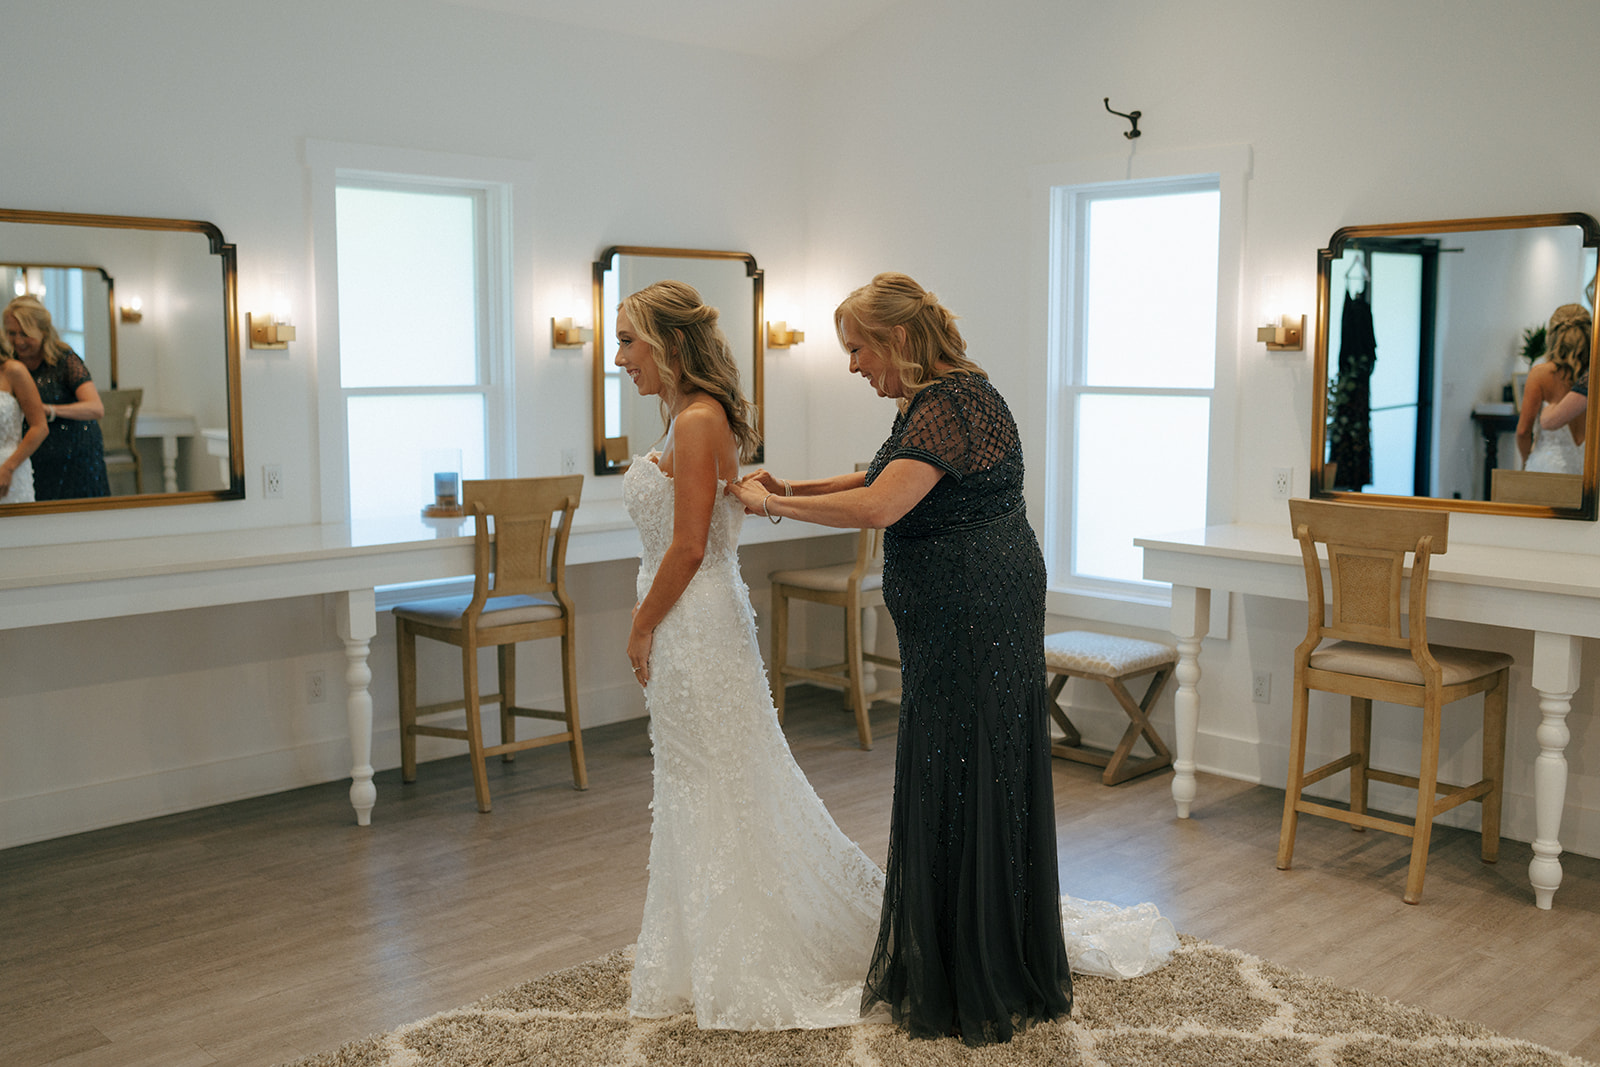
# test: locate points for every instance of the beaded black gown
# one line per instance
(970, 936)
(71, 461)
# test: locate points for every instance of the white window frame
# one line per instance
(1057, 191)
(498, 182)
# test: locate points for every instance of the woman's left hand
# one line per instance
(751, 490)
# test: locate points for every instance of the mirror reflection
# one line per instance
(1426, 335)
(148, 305)
(625, 423)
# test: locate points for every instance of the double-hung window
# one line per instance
(415, 371)
(1134, 345)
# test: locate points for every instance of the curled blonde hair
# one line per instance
(692, 354)
(930, 346)
(34, 319)
(1566, 341)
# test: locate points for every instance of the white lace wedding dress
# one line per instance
(1554, 451)
(12, 427)
(760, 914)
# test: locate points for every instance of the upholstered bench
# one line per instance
(1111, 661)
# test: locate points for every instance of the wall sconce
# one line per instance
(267, 330)
(272, 329)
(1288, 336)
(132, 311)
(780, 336)
(563, 334)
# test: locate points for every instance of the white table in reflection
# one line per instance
(1554, 595)
(168, 427)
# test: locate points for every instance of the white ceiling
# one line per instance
(777, 29)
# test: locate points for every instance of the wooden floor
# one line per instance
(269, 929)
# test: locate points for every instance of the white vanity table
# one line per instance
(43, 585)
(1554, 595)
(168, 427)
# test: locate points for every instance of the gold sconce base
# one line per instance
(780, 336)
(1288, 337)
(265, 332)
(563, 334)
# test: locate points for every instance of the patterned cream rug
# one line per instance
(1209, 1006)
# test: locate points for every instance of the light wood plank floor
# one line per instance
(268, 929)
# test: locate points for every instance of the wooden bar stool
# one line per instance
(1110, 660)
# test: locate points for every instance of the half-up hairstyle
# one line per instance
(692, 354)
(1566, 341)
(933, 347)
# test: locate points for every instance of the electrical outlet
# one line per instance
(272, 480)
(315, 693)
(1261, 687)
(569, 461)
(1282, 482)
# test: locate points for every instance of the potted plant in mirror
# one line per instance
(1532, 351)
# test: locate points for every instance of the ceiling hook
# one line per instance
(1132, 117)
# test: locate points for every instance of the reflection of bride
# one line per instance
(22, 427)
(760, 913)
(1557, 451)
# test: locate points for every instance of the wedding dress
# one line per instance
(1554, 451)
(12, 427)
(760, 913)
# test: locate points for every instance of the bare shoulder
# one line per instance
(13, 372)
(702, 413)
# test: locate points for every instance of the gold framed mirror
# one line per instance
(1423, 335)
(626, 423)
(177, 351)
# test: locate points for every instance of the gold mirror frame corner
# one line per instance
(605, 463)
(1589, 507)
(228, 260)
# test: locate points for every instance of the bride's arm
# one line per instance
(698, 433)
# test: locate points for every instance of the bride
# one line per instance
(22, 427)
(760, 914)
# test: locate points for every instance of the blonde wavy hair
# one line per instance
(35, 321)
(1566, 340)
(929, 347)
(692, 354)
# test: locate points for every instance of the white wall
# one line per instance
(905, 147)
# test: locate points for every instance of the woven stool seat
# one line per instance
(1109, 659)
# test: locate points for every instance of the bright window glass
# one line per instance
(408, 305)
(1139, 366)
(412, 351)
(392, 439)
(1151, 290)
(1143, 471)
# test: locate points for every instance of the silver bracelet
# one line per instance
(774, 519)
(788, 490)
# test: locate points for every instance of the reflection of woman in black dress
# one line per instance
(970, 938)
(71, 462)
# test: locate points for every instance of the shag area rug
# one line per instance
(1209, 1006)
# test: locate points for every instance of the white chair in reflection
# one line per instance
(116, 431)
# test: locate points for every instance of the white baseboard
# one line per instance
(78, 808)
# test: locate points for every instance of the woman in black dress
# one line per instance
(71, 462)
(970, 939)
